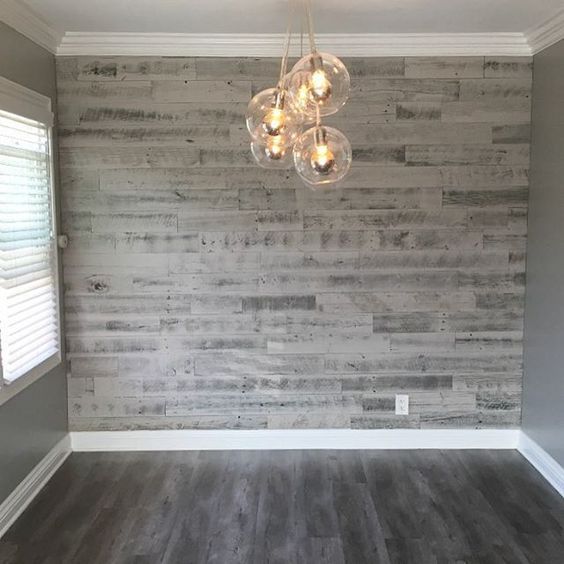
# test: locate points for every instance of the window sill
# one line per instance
(9, 390)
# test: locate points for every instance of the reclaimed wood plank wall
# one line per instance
(204, 292)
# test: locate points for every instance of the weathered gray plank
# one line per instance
(495, 89)
(444, 67)
(437, 155)
(396, 302)
(508, 67)
(135, 68)
(134, 156)
(202, 91)
(358, 220)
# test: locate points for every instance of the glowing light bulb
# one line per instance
(275, 149)
(320, 86)
(322, 159)
(327, 85)
(268, 115)
(274, 154)
(302, 97)
(274, 122)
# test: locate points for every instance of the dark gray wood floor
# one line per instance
(292, 507)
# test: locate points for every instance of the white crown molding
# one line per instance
(18, 15)
(274, 439)
(547, 33)
(270, 45)
(15, 504)
(551, 471)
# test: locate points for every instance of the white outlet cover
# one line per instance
(402, 404)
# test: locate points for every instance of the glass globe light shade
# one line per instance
(318, 80)
(274, 154)
(269, 115)
(322, 156)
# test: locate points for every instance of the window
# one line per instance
(29, 301)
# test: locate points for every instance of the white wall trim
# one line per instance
(547, 33)
(552, 472)
(271, 45)
(274, 439)
(15, 504)
(18, 15)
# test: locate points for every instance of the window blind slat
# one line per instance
(29, 322)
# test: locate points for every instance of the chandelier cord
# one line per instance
(287, 41)
(309, 19)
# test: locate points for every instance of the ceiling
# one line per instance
(255, 27)
(269, 16)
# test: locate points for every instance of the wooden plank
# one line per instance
(237, 68)
(485, 197)
(202, 91)
(520, 133)
(396, 302)
(252, 241)
(444, 67)
(198, 178)
(440, 155)
(171, 135)
(122, 157)
(423, 362)
(346, 282)
(144, 113)
(158, 243)
(359, 220)
(493, 112)
(375, 67)
(507, 89)
(135, 68)
(335, 240)
(97, 92)
(418, 111)
(126, 222)
(193, 263)
(379, 155)
(374, 198)
(380, 90)
(138, 200)
(485, 175)
(443, 321)
(211, 220)
(508, 67)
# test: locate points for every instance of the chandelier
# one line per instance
(285, 122)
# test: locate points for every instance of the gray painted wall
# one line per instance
(543, 402)
(34, 420)
(202, 291)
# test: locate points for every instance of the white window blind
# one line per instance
(29, 311)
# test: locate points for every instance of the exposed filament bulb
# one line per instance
(322, 159)
(321, 87)
(275, 149)
(275, 120)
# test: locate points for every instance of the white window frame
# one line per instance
(17, 99)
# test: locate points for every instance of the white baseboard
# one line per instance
(274, 439)
(15, 504)
(551, 471)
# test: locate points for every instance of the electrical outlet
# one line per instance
(402, 404)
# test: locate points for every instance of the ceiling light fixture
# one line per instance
(318, 85)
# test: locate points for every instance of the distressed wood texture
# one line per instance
(205, 292)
